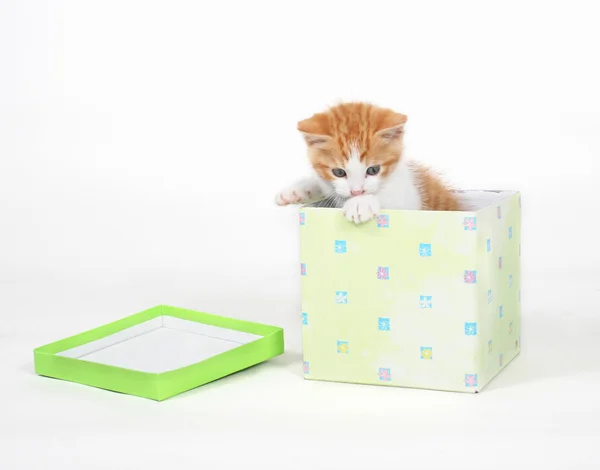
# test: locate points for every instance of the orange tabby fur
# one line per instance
(377, 133)
(435, 195)
(347, 125)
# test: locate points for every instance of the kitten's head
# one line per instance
(354, 146)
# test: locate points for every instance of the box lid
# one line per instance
(159, 352)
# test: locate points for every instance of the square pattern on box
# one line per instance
(442, 311)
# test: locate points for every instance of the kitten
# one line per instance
(356, 153)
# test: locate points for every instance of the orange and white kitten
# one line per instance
(356, 153)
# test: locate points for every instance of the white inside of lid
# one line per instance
(159, 345)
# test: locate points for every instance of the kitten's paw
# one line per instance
(361, 209)
(296, 194)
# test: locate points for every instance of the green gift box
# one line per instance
(417, 299)
(160, 352)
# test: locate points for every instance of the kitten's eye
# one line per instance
(338, 172)
(373, 170)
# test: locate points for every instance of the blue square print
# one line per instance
(425, 249)
(341, 297)
(304, 318)
(471, 329)
(490, 296)
(383, 324)
(426, 301)
(489, 245)
(340, 246)
(500, 311)
(509, 233)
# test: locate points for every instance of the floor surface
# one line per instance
(541, 412)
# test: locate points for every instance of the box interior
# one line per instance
(474, 200)
(471, 200)
(159, 345)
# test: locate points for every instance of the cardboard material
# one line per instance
(160, 352)
(414, 298)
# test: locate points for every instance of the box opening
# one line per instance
(475, 200)
(471, 200)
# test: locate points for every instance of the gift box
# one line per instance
(159, 352)
(420, 299)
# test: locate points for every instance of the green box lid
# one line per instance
(160, 352)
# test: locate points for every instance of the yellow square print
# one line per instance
(426, 353)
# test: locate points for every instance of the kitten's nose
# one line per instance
(357, 192)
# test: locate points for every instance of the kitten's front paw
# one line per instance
(296, 194)
(361, 209)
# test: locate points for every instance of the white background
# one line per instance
(141, 146)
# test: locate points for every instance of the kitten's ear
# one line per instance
(394, 128)
(313, 132)
(316, 140)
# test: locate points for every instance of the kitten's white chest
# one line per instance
(400, 191)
